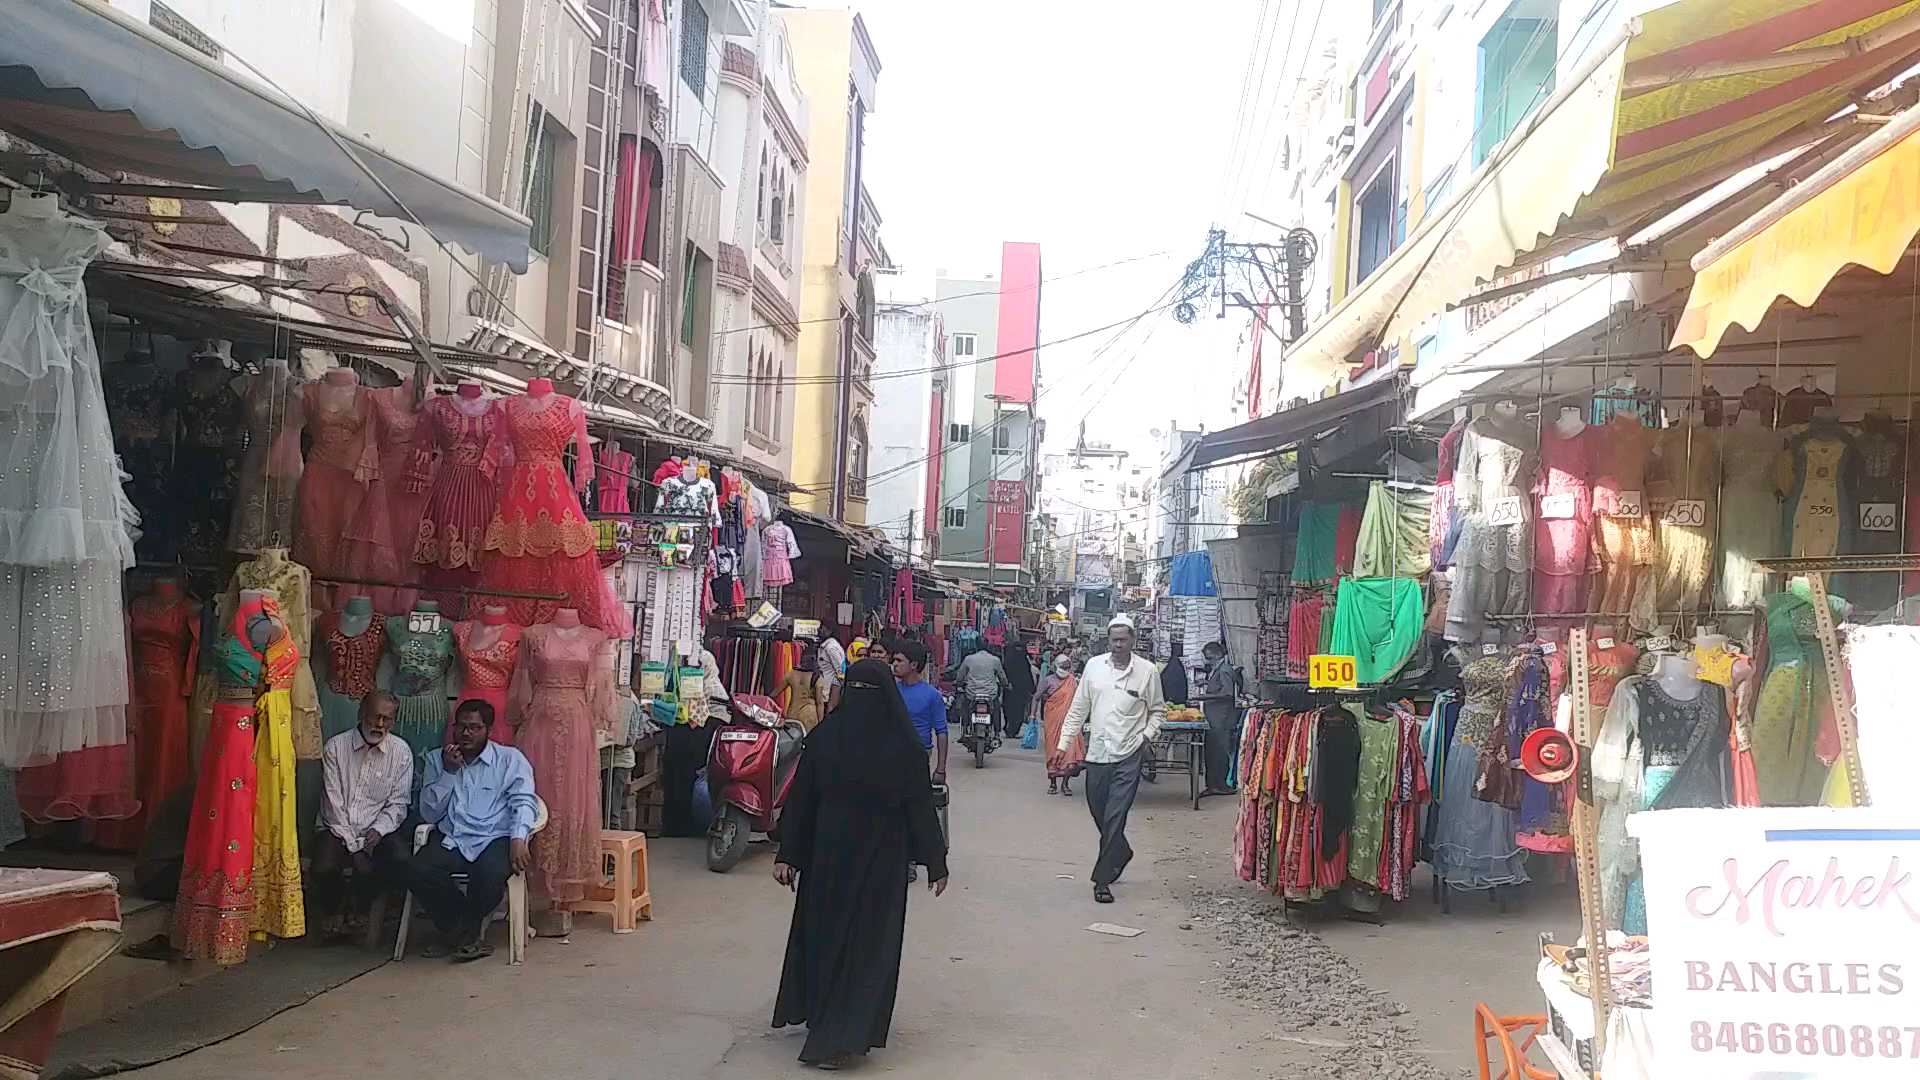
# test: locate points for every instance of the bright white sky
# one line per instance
(1097, 130)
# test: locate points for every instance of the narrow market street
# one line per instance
(1001, 978)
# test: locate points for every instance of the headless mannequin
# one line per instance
(539, 388)
(357, 616)
(489, 626)
(1679, 677)
(471, 399)
(40, 205)
(470, 390)
(260, 632)
(1748, 420)
(565, 618)
(1506, 409)
(165, 592)
(1570, 423)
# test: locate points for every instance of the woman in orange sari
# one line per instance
(1056, 694)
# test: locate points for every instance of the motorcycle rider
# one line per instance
(983, 677)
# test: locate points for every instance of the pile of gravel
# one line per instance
(1316, 998)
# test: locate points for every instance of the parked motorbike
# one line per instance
(750, 771)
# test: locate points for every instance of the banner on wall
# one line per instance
(1784, 942)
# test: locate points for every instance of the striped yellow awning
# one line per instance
(1689, 94)
(1863, 209)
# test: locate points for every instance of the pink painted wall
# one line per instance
(1019, 330)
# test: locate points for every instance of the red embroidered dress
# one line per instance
(453, 526)
(539, 539)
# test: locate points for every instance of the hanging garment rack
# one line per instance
(1845, 718)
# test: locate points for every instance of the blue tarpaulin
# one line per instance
(1191, 575)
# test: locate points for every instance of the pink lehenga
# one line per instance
(452, 529)
(486, 673)
(561, 698)
(539, 540)
(379, 542)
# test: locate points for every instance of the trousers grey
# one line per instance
(1110, 788)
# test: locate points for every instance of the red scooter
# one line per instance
(750, 769)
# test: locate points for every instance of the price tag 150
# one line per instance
(1332, 672)
(1879, 517)
(1691, 513)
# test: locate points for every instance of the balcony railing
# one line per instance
(633, 302)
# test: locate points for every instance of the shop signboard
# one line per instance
(1784, 942)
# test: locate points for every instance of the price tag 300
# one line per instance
(1879, 517)
(1332, 672)
(1629, 505)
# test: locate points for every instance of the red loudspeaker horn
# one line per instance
(1549, 756)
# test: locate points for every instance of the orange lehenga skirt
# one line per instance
(242, 861)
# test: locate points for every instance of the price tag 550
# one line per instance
(1691, 513)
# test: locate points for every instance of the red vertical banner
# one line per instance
(1017, 358)
(1006, 519)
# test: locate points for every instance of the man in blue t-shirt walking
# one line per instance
(925, 707)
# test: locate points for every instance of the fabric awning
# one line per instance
(1690, 92)
(1271, 434)
(1862, 208)
(86, 81)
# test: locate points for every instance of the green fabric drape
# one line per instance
(1377, 621)
(1316, 544)
(1393, 534)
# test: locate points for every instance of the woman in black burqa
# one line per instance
(861, 810)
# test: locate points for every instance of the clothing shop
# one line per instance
(1745, 686)
(239, 501)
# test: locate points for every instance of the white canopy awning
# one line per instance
(84, 80)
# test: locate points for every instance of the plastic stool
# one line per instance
(623, 891)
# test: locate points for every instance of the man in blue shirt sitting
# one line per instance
(479, 798)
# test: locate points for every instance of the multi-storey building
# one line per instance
(835, 61)
(986, 476)
(909, 418)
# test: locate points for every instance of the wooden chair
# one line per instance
(516, 897)
(1488, 1026)
(623, 893)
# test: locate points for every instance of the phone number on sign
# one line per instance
(1807, 1040)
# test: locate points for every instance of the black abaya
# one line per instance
(860, 810)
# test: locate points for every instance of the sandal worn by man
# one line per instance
(1102, 894)
(471, 951)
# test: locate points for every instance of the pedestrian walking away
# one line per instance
(861, 807)
(1118, 703)
(1019, 685)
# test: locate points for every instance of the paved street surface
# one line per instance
(1001, 977)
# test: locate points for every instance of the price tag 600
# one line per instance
(1332, 672)
(1688, 512)
(1879, 517)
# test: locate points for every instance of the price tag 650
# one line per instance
(1332, 672)
(1687, 512)
(1506, 511)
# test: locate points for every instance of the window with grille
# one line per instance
(542, 145)
(953, 517)
(963, 345)
(693, 48)
(959, 433)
